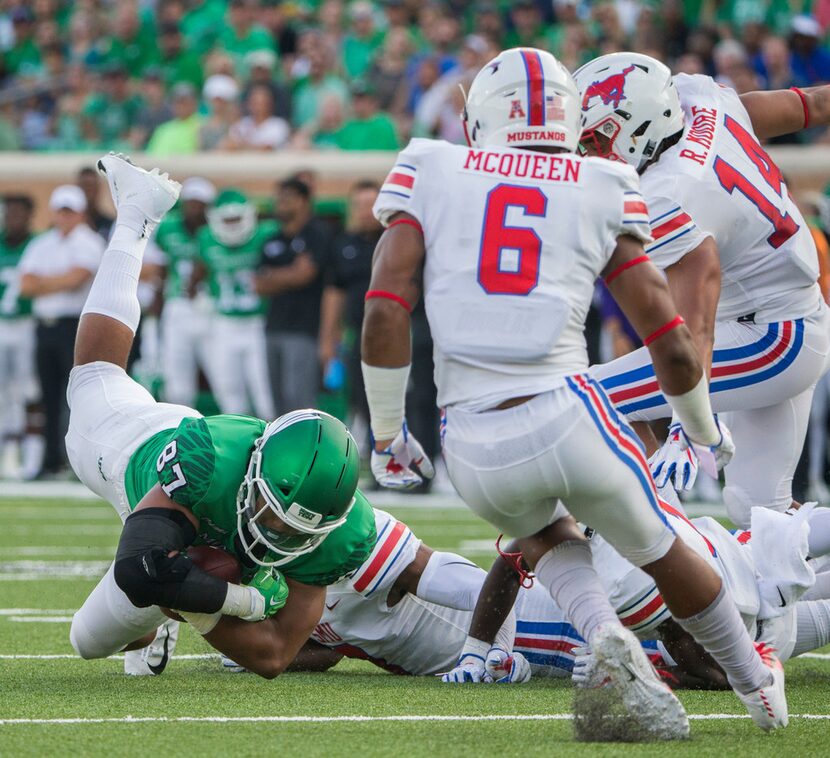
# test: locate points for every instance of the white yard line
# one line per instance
(65, 656)
(362, 719)
(41, 619)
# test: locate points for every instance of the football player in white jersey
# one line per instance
(508, 237)
(739, 259)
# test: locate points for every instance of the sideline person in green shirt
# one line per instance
(370, 128)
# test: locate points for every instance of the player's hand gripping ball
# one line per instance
(214, 561)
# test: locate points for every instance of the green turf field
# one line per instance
(52, 554)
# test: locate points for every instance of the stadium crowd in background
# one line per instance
(178, 76)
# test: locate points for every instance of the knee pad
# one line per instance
(738, 505)
(84, 643)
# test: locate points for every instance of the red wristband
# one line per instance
(803, 105)
(388, 296)
(673, 324)
(410, 221)
(624, 266)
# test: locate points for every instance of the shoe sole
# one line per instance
(170, 186)
(650, 702)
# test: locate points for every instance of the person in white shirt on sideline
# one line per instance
(56, 272)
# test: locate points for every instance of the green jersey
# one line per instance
(11, 304)
(201, 465)
(231, 270)
(181, 248)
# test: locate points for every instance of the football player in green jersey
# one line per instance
(230, 248)
(185, 318)
(277, 495)
(17, 336)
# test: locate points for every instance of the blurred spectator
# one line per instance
(23, 57)
(261, 129)
(347, 281)
(488, 21)
(387, 73)
(34, 124)
(132, 45)
(362, 41)
(323, 132)
(320, 80)
(16, 333)
(110, 113)
(261, 65)
(241, 34)
(155, 112)
(292, 280)
(56, 271)
(728, 55)
(368, 129)
(221, 93)
(8, 132)
(773, 65)
(809, 62)
(275, 19)
(179, 136)
(528, 27)
(84, 35)
(176, 62)
(89, 180)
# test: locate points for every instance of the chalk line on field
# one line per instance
(360, 719)
(40, 619)
(66, 656)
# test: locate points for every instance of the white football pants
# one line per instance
(185, 346)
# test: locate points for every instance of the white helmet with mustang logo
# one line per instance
(524, 97)
(629, 106)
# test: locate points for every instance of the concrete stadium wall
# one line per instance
(806, 168)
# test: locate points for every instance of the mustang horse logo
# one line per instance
(610, 90)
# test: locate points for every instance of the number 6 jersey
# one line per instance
(514, 242)
(718, 180)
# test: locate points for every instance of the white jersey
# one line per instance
(719, 181)
(515, 240)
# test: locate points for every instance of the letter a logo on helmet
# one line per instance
(611, 89)
(523, 95)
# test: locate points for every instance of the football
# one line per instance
(216, 562)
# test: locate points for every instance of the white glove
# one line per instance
(469, 669)
(713, 458)
(507, 668)
(584, 673)
(392, 467)
(675, 461)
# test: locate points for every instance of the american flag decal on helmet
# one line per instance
(554, 108)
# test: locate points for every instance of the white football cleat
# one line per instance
(619, 658)
(151, 660)
(768, 706)
(231, 666)
(151, 192)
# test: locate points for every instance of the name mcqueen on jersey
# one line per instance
(522, 165)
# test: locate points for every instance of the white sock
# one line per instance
(722, 634)
(812, 629)
(568, 573)
(114, 290)
(821, 589)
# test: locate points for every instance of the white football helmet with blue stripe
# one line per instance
(524, 97)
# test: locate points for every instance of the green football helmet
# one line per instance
(304, 469)
(232, 218)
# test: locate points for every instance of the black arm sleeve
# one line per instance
(147, 574)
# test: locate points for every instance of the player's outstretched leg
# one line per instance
(112, 311)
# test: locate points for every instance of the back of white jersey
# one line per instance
(718, 180)
(514, 241)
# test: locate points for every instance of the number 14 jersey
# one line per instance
(717, 180)
(515, 240)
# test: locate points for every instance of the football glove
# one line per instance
(675, 461)
(713, 458)
(269, 594)
(584, 673)
(507, 668)
(392, 467)
(469, 669)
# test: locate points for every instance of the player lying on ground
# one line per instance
(767, 571)
(508, 243)
(279, 494)
(407, 609)
(738, 256)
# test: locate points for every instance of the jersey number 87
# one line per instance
(168, 455)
